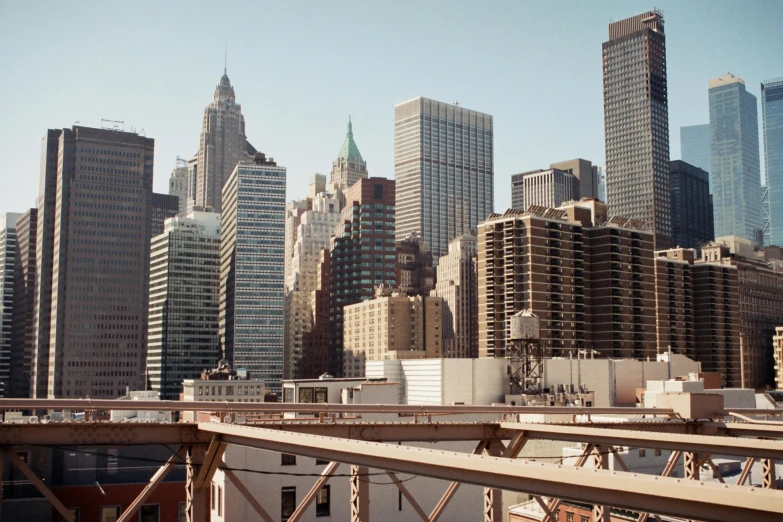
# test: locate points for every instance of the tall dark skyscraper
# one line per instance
(22, 332)
(691, 206)
(772, 114)
(362, 256)
(636, 123)
(94, 221)
(735, 177)
(443, 166)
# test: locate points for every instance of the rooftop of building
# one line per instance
(349, 151)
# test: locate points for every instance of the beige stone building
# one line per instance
(391, 326)
(777, 342)
(457, 286)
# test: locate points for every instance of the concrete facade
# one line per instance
(93, 240)
(8, 253)
(22, 331)
(587, 173)
(182, 337)
(544, 188)
(179, 185)
(457, 285)
(777, 348)
(415, 274)
(393, 325)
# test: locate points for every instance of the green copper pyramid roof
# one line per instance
(350, 151)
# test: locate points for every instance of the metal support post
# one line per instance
(601, 513)
(493, 503)
(39, 485)
(308, 499)
(768, 474)
(691, 465)
(746, 471)
(156, 479)
(195, 499)
(360, 494)
(210, 463)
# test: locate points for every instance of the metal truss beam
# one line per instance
(39, 485)
(212, 459)
(308, 499)
(670, 441)
(259, 509)
(100, 434)
(273, 407)
(405, 493)
(667, 496)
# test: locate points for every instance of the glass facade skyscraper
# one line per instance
(691, 206)
(636, 123)
(252, 273)
(443, 166)
(695, 146)
(734, 147)
(772, 117)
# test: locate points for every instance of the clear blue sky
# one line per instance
(299, 68)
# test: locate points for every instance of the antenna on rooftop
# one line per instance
(225, 58)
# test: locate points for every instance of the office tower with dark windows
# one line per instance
(734, 148)
(164, 206)
(695, 146)
(22, 332)
(179, 185)
(8, 252)
(544, 188)
(223, 144)
(772, 122)
(443, 166)
(692, 216)
(636, 123)
(349, 167)
(252, 248)
(94, 228)
(363, 254)
(182, 337)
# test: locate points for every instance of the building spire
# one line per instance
(225, 59)
(350, 128)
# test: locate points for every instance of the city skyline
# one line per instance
(167, 103)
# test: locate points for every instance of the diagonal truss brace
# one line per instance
(156, 479)
(308, 499)
(39, 485)
(248, 496)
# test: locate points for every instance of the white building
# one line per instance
(179, 185)
(222, 384)
(7, 263)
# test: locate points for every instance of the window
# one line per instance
(110, 513)
(220, 501)
(287, 503)
(322, 508)
(569, 516)
(642, 453)
(320, 395)
(583, 518)
(149, 513)
(306, 395)
(286, 459)
(321, 462)
(657, 453)
(182, 512)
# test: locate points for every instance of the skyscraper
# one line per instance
(94, 221)
(734, 148)
(7, 262)
(223, 144)
(252, 247)
(692, 214)
(22, 332)
(636, 123)
(584, 170)
(545, 188)
(772, 117)
(443, 166)
(362, 254)
(164, 206)
(349, 167)
(695, 146)
(179, 185)
(184, 293)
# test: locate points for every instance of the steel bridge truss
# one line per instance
(492, 465)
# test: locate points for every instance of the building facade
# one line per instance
(179, 185)
(223, 144)
(252, 244)
(312, 235)
(363, 255)
(636, 122)
(692, 215)
(182, 337)
(760, 310)
(777, 343)
(444, 166)
(349, 167)
(415, 274)
(587, 173)
(22, 332)
(8, 253)
(457, 285)
(94, 228)
(772, 122)
(734, 148)
(543, 188)
(164, 206)
(695, 146)
(391, 326)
